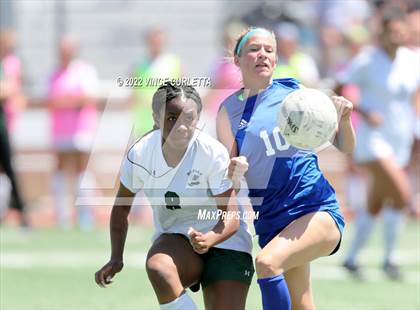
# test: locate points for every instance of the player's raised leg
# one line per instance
(310, 236)
(172, 266)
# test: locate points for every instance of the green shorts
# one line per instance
(224, 264)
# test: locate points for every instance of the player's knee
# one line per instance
(160, 270)
(266, 265)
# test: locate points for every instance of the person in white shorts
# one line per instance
(388, 78)
(184, 173)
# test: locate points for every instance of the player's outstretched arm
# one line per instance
(227, 225)
(345, 140)
(224, 132)
(118, 230)
(238, 164)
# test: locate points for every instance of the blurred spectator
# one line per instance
(12, 102)
(71, 100)
(388, 77)
(292, 62)
(335, 17)
(157, 64)
(225, 79)
(355, 38)
(16, 102)
(413, 20)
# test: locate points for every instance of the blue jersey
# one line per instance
(284, 182)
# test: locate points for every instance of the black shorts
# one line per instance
(224, 264)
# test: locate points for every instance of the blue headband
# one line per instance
(247, 36)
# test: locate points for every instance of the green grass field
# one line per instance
(51, 269)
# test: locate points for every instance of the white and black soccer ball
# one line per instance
(307, 118)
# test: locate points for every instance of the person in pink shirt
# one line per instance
(226, 78)
(71, 101)
(11, 102)
(12, 69)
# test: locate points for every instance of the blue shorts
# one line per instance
(335, 213)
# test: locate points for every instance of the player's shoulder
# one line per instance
(143, 147)
(288, 83)
(232, 99)
(210, 147)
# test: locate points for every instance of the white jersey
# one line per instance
(180, 195)
(386, 87)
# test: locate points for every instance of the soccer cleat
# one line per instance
(392, 271)
(353, 269)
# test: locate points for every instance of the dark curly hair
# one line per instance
(169, 91)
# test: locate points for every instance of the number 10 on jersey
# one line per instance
(280, 143)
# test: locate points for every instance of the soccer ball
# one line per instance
(307, 118)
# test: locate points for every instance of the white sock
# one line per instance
(85, 182)
(59, 187)
(393, 219)
(183, 302)
(364, 225)
(355, 191)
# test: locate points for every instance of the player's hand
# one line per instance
(343, 106)
(198, 241)
(237, 168)
(104, 275)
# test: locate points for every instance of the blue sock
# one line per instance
(274, 292)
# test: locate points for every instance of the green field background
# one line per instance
(54, 269)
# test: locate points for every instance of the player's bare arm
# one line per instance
(118, 228)
(345, 140)
(238, 165)
(224, 132)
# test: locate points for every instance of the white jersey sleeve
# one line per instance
(129, 174)
(218, 181)
(357, 72)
